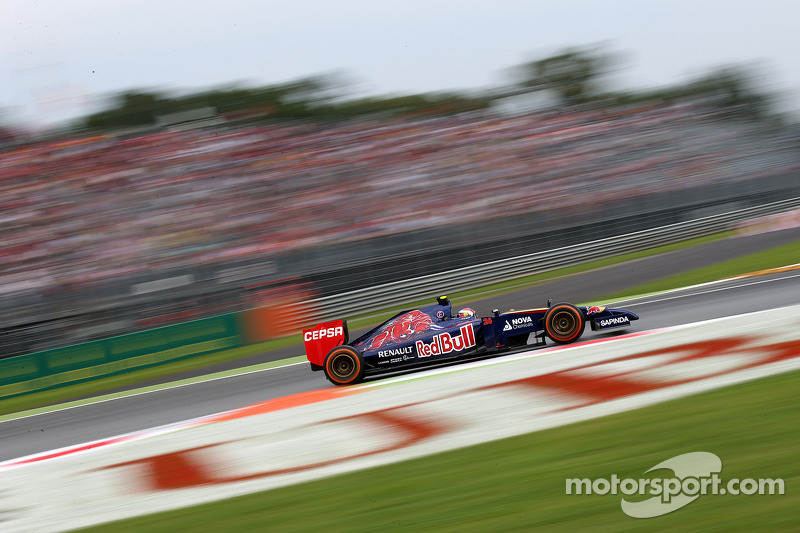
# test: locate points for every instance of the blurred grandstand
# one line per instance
(115, 233)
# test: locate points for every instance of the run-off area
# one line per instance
(323, 433)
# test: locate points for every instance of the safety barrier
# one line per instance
(408, 290)
(83, 362)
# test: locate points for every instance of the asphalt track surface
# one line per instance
(94, 421)
(577, 288)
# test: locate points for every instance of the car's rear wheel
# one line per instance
(564, 323)
(344, 366)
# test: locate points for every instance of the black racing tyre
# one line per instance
(344, 366)
(564, 323)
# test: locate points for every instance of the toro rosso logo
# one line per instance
(401, 328)
(445, 343)
(323, 333)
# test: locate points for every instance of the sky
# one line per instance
(59, 58)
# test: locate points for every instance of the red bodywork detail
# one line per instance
(322, 338)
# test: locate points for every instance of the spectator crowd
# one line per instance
(85, 209)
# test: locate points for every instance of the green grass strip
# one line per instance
(98, 386)
(780, 256)
(519, 484)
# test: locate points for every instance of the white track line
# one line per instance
(139, 393)
(633, 301)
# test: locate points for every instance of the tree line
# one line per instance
(570, 77)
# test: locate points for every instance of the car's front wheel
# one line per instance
(564, 323)
(344, 365)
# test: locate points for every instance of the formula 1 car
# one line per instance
(431, 335)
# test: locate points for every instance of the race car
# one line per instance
(432, 335)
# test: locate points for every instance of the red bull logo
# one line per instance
(445, 343)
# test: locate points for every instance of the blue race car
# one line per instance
(431, 335)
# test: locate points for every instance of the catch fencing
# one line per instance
(395, 293)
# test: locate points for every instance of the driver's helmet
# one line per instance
(466, 313)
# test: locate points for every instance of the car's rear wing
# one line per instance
(321, 338)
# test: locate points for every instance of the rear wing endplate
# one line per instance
(320, 339)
